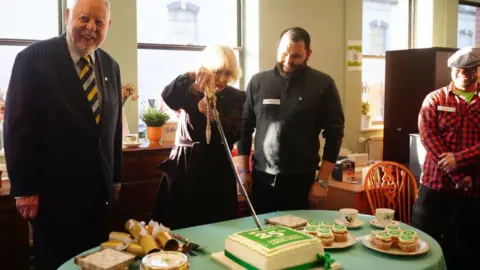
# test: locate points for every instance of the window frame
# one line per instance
(180, 47)
(411, 27)
(469, 3)
(61, 4)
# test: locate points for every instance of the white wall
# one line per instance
(121, 44)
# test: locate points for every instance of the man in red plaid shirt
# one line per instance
(449, 125)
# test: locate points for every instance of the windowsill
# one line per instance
(372, 128)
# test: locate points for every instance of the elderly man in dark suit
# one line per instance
(63, 134)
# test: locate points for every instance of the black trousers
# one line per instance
(453, 221)
(282, 192)
(57, 242)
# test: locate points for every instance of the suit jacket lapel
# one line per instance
(71, 82)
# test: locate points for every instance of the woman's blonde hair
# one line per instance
(216, 57)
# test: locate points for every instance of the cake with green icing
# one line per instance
(274, 247)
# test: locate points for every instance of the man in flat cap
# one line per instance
(449, 125)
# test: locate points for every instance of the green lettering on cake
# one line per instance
(274, 237)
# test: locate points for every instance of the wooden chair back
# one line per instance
(391, 185)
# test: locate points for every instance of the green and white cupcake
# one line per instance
(383, 240)
(410, 233)
(310, 230)
(328, 224)
(390, 228)
(312, 223)
(323, 227)
(340, 232)
(395, 236)
(407, 243)
(326, 236)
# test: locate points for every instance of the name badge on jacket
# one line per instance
(271, 101)
(446, 109)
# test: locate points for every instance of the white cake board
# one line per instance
(222, 259)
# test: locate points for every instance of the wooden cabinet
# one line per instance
(346, 195)
(140, 183)
(409, 76)
(14, 247)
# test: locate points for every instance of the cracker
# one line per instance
(287, 221)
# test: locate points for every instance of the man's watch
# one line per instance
(323, 183)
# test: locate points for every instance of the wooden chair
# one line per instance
(391, 185)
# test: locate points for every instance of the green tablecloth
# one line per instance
(213, 236)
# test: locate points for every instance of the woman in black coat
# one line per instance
(198, 186)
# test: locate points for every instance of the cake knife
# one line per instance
(230, 158)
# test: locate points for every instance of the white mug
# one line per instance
(348, 215)
(384, 216)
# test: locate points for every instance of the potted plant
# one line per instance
(365, 120)
(154, 119)
(129, 91)
(365, 109)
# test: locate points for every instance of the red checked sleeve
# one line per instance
(429, 133)
(468, 156)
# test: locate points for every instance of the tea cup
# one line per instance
(384, 216)
(348, 215)
(130, 138)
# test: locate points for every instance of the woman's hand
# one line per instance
(203, 77)
(202, 107)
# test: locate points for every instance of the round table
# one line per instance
(358, 256)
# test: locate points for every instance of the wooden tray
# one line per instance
(119, 260)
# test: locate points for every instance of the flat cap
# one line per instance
(465, 57)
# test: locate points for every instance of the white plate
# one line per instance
(356, 224)
(222, 259)
(337, 245)
(377, 224)
(423, 247)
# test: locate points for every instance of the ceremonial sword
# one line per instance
(230, 158)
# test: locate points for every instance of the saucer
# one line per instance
(132, 145)
(374, 222)
(356, 224)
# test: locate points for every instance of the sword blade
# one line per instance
(232, 163)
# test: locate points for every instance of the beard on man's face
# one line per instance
(464, 82)
(295, 69)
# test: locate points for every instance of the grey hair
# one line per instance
(74, 3)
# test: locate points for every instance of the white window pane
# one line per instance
(187, 22)
(28, 19)
(157, 68)
(373, 78)
(7, 54)
(385, 26)
(466, 34)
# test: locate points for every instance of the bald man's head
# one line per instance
(87, 24)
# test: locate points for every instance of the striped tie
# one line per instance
(87, 78)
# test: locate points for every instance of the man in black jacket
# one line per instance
(63, 135)
(288, 106)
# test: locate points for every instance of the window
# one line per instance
(171, 35)
(467, 24)
(385, 27)
(17, 32)
(378, 37)
(183, 22)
